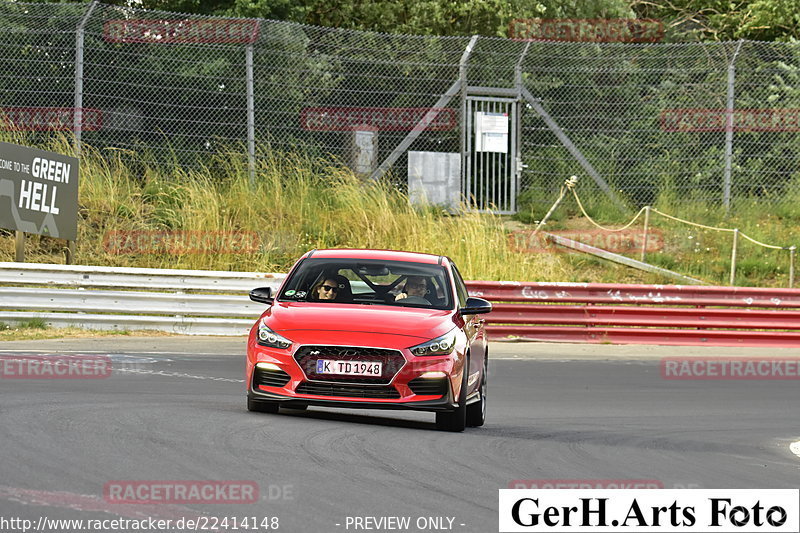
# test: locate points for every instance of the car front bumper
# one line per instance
(445, 403)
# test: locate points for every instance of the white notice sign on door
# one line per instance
(491, 132)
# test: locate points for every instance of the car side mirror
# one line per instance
(262, 295)
(476, 306)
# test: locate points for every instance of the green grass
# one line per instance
(33, 323)
(37, 329)
(298, 203)
(33, 330)
(695, 251)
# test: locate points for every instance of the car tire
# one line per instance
(456, 421)
(257, 406)
(476, 412)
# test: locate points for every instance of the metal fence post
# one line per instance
(726, 187)
(251, 117)
(462, 78)
(792, 252)
(519, 84)
(733, 255)
(77, 113)
(644, 233)
(422, 125)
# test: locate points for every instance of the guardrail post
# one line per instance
(19, 246)
(644, 233)
(792, 251)
(733, 255)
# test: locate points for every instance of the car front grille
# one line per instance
(428, 387)
(392, 361)
(350, 391)
(270, 378)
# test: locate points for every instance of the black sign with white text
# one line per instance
(38, 191)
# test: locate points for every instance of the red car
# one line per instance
(375, 329)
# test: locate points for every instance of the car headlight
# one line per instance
(267, 337)
(439, 346)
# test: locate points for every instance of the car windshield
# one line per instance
(369, 282)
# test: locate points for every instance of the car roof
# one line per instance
(385, 255)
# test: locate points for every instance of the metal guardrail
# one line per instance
(216, 303)
(180, 301)
(156, 303)
(642, 314)
(126, 277)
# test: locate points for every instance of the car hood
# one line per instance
(418, 323)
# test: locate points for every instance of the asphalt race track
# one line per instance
(174, 409)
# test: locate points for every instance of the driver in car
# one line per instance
(326, 289)
(415, 286)
(332, 287)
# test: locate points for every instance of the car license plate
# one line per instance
(349, 368)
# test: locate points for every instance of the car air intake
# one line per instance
(270, 378)
(428, 387)
(350, 391)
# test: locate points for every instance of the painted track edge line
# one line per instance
(795, 448)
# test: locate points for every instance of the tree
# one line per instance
(449, 17)
(725, 20)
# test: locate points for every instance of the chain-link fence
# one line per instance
(711, 121)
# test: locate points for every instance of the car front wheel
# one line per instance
(476, 412)
(456, 420)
